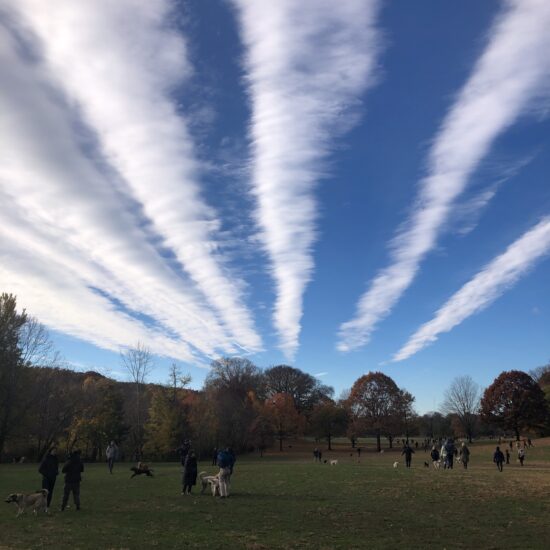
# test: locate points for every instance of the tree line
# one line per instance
(240, 405)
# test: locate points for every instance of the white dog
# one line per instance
(213, 481)
(333, 462)
(395, 464)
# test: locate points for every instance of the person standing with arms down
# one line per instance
(521, 456)
(111, 453)
(225, 462)
(408, 452)
(73, 469)
(49, 468)
(189, 472)
(498, 459)
(464, 455)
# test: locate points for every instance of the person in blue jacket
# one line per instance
(226, 463)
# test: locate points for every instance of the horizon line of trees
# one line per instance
(240, 405)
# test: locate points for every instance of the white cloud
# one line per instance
(492, 281)
(513, 70)
(307, 65)
(62, 215)
(120, 62)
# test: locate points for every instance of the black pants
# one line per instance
(407, 462)
(48, 483)
(499, 466)
(111, 463)
(73, 488)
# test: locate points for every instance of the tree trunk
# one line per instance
(378, 446)
(280, 442)
(329, 442)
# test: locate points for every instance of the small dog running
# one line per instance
(396, 464)
(213, 481)
(35, 501)
(141, 469)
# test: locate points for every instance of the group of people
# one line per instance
(317, 455)
(499, 457)
(73, 468)
(224, 458)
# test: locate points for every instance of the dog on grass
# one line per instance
(426, 465)
(396, 464)
(213, 481)
(35, 501)
(141, 469)
(334, 462)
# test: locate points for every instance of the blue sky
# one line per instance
(343, 187)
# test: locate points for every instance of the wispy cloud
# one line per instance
(513, 70)
(320, 374)
(121, 78)
(494, 279)
(75, 249)
(307, 65)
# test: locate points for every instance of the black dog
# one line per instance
(426, 465)
(141, 469)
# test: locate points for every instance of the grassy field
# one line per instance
(287, 501)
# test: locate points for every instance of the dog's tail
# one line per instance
(202, 474)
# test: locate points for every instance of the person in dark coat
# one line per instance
(434, 455)
(183, 450)
(507, 456)
(498, 458)
(408, 452)
(49, 468)
(189, 477)
(73, 469)
(215, 457)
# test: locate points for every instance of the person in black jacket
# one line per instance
(498, 458)
(408, 452)
(73, 469)
(189, 473)
(49, 468)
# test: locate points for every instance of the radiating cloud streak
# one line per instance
(57, 205)
(492, 281)
(509, 75)
(307, 65)
(120, 62)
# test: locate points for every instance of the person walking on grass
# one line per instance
(450, 451)
(73, 476)
(408, 452)
(111, 454)
(434, 455)
(464, 455)
(498, 459)
(507, 452)
(521, 456)
(189, 477)
(49, 468)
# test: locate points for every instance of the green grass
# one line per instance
(287, 501)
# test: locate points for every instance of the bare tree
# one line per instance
(36, 346)
(138, 361)
(177, 380)
(462, 399)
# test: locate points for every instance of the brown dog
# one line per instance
(36, 501)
